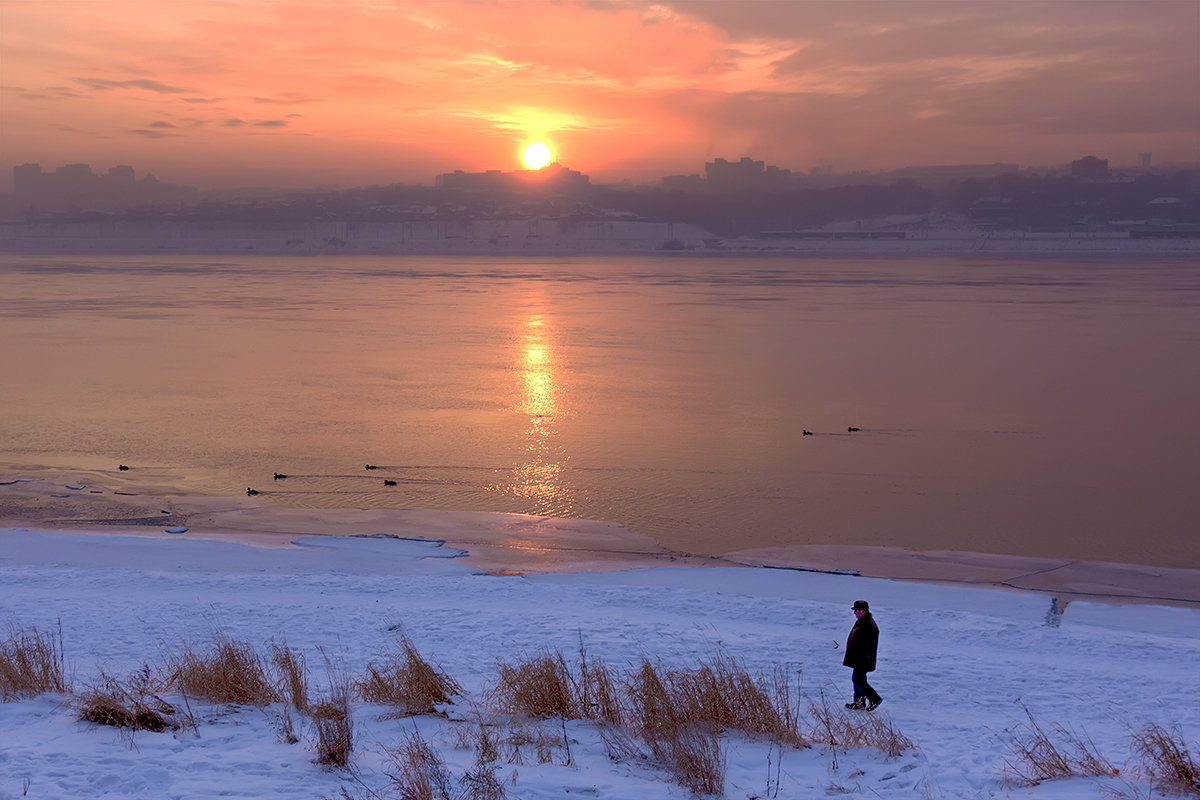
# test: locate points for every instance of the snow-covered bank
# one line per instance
(957, 665)
(501, 544)
(534, 237)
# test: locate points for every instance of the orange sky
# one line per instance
(356, 92)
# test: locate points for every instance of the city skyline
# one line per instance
(295, 95)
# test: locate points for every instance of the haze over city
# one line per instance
(286, 94)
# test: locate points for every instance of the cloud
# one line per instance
(285, 98)
(872, 83)
(158, 87)
(160, 124)
(48, 93)
(153, 133)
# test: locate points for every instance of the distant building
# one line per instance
(726, 176)
(552, 179)
(1090, 168)
(75, 187)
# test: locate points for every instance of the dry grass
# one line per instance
(543, 744)
(847, 729)
(601, 693)
(230, 672)
(598, 689)
(619, 744)
(287, 727)
(676, 727)
(335, 732)
(480, 784)
(1039, 756)
(487, 746)
(291, 669)
(540, 686)
(407, 681)
(31, 662)
(720, 695)
(652, 713)
(695, 759)
(421, 773)
(133, 705)
(331, 716)
(724, 694)
(1167, 760)
(110, 708)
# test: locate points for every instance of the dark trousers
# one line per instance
(863, 689)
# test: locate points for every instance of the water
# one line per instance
(1036, 407)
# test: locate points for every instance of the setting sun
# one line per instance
(536, 155)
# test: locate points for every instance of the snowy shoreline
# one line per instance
(511, 544)
(959, 667)
(965, 667)
(549, 237)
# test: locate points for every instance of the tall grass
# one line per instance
(695, 758)
(291, 670)
(231, 671)
(332, 716)
(1167, 760)
(677, 713)
(480, 784)
(406, 681)
(335, 731)
(834, 726)
(719, 694)
(1040, 756)
(32, 662)
(421, 773)
(599, 690)
(538, 686)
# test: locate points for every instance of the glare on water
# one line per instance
(1037, 407)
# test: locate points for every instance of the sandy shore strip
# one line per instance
(514, 543)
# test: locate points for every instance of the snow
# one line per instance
(958, 665)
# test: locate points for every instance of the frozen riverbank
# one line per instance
(543, 237)
(958, 668)
(522, 544)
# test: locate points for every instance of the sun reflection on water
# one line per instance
(540, 477)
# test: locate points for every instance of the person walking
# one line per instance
(861, 646)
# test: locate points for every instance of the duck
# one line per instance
(853, 430)
(389, 483)
(372, 466)
(122, 467)
(279, 476)
(251, 492)
(807, 433)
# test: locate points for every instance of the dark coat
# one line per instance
(861, 644)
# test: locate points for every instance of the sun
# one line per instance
(536, 155)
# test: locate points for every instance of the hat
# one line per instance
(861, 605)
